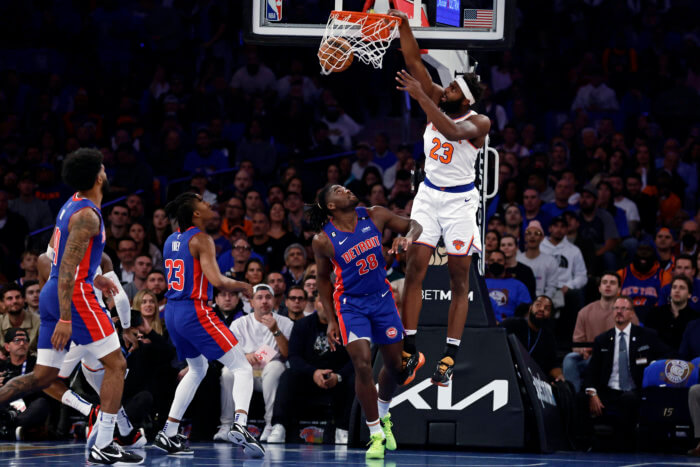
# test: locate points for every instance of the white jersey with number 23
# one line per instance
(449, 163)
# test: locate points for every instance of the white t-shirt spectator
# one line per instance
(252, 334)
(590, 97)
(630, 208)
(263, 80)
(342, 130)
(546, 271)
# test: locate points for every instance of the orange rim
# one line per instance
(356, 16)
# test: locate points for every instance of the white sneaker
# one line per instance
(278, 434)
(266, 433)
(341, 436)
(222, 434)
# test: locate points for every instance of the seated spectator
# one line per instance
(309, 285)
(146, 303)
(513, 219)
(228, 306)
(279, 287)
(562, 191)
(492, 242)
(31, 410)
(155, 282)
(234, 215)
(264, 337)
(690, 344)
(234, 261)
(28, 266)
(126, 254)
(266, 247)
(13, 233)
(544, 266)
(30, 292)
(685, 265)
(643, 279)
(222, 244)
(314, 370)
(143, 247)
(670, 320)
(143, 266)
(663, 241)
(573, 275)
(294, 204)
(531, 208)
(506, 293)
(295, 262)
(537, 337)
(598, 227)
(16, 316)
(514, 268)
(615, 372)
(296, 302)
(204, 156)
(35, 211)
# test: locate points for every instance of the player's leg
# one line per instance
(388, 379)
(59, 389)
(110, 392)
(227, 407)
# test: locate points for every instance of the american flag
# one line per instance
(478, 18)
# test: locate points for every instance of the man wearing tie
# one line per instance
(617, 365)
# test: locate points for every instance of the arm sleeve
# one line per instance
(121, 301)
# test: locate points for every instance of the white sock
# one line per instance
(188, 387)
(171, 428)
(241, 419)
(453, 341)
(123, 422)
(383, 407)
(105, 431)
(73, 400)
(410, 332)
(375, 427)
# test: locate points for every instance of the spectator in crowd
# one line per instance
(142, 267)
(573, 276)
(537, 337)
(13, 237)
(294, 204)
(31, 410)
(514, 268)
(643, 279)
(146, 303)
(264, 337)
(143, 247)
(531, 209)
(686, 266)
(279, 228)
(126, 254)
(296, 302)
(213, 228)
(136, 210)
(155, 282)
(562, 192)
(279, 287)
(595, 96)
(309, 285)
(688, 239)
(228, 306)
(235, 260)
(314, 372)
(265, 246)
(646, 204)
(506, 293)
(28, 266)
(118, 229)
(234, 215)
(36, 212)
(199, 183)
(592, 320)
(544, 266)
(295, 262)
(513, 220)
(627, 205)
(160, 228)
(492, 242)
(615, 372)
(690, 344)
(31, 290)
(342, 128)
(664, 249)
(205, 156)
(670, 320)
(17, 316)
(598, 227)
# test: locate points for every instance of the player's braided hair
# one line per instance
(317, 214)
(182, 208)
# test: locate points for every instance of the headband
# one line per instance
(465, 89)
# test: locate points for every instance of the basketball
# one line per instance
(335, 54)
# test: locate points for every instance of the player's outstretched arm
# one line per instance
(411, 55)
(202, 247)
(83, 225)
(409, 228)
(322, 247)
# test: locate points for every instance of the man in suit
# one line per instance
(617, 365)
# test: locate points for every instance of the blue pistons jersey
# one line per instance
(184, 275)
(358, 262)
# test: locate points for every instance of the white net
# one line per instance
(366, 36)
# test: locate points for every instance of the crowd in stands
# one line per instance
(595, 115)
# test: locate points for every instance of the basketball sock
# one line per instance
(170, 428)
(451, 350)
(383, 407)
(123, 422)
(375, 427)
(105, 430)
(241, 418)
(409, 341)
(73, 400)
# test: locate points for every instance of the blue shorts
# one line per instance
(196, 330)
(373, 317)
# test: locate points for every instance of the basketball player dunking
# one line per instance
(446, 202)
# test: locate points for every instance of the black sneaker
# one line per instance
(91, 428)
(411, 364)
(443, 372)
(239, 436)
(175, 446)
(113, 454)
(135, 439)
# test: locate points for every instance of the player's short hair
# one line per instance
(81, 167)
(472, 80)
(182, 208)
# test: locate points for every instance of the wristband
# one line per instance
(277, 333)
(64, 321)
(340, 378)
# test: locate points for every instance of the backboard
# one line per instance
(443, 24)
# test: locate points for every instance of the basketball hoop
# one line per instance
(369, 36)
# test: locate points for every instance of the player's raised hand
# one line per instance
(245, 288)
(61, 335)
(400, 245)
(333, 334)
(108, 288)
(398, 14)
(409, 84)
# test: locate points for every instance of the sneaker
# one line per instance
(266, 433)
(411, 364)
(174, 446)
(376, 446)
(443, 372)
(278, 435)
(113, 454)
(341, 436)
(386, 428)
(19, 433)
(91, 428)
(222, 434)
(239, 436)
(135, 439)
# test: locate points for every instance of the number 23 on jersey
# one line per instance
(442, 151)
(176, 274)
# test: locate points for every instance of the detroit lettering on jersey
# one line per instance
(359, 248)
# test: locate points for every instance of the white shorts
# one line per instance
(78, 353)
(451, 216)
(66, 360)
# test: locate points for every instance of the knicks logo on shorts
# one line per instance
(391, 332)
(459, 244)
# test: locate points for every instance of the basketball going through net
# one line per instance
(350, 33)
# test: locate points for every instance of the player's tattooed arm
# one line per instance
(84, 225)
